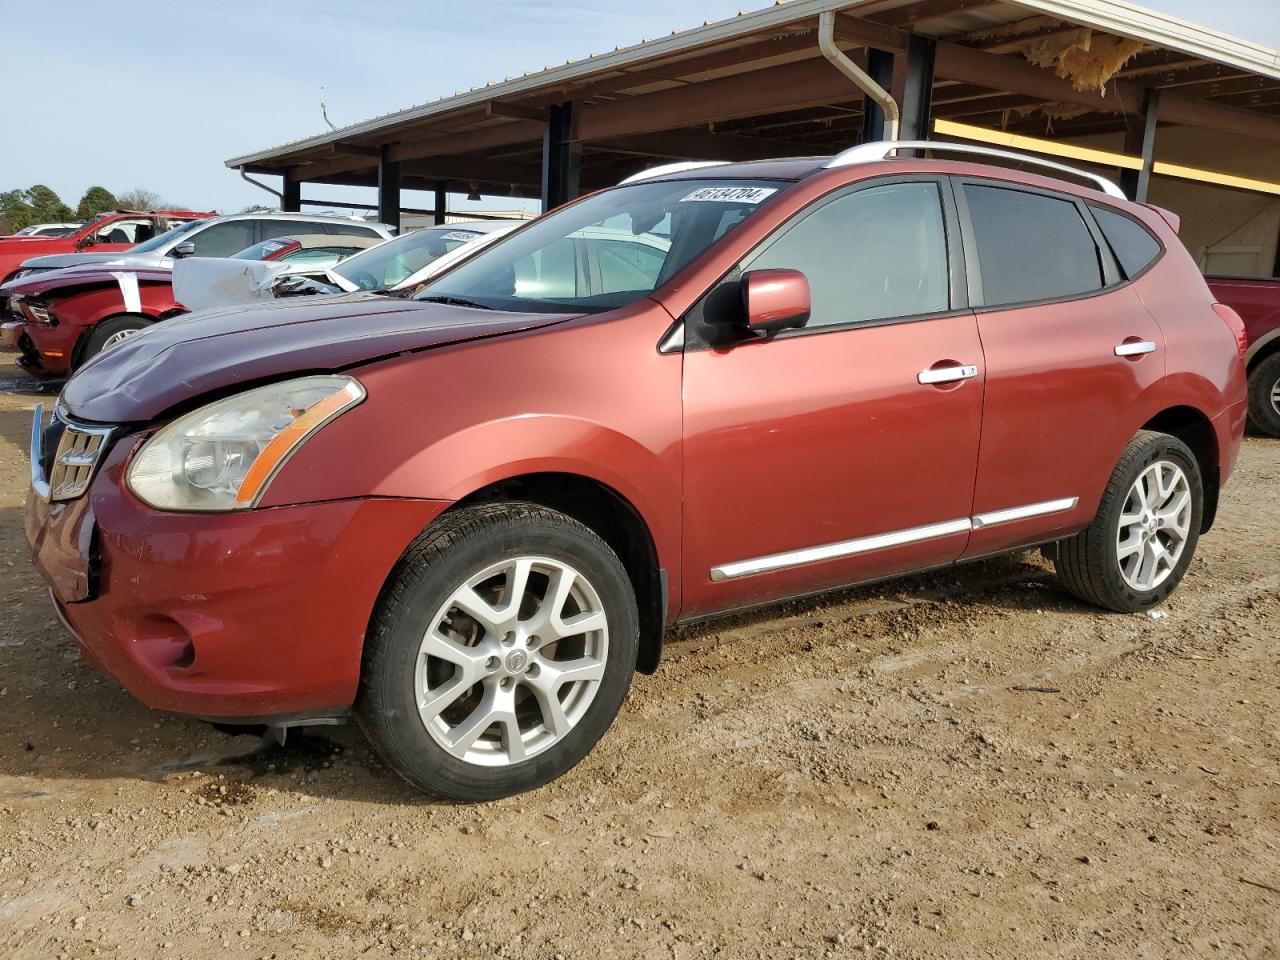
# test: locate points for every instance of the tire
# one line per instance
(464, 653)
(1090, 564)
(1264, 395)
(109, 332)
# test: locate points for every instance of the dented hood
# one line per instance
(174, 362)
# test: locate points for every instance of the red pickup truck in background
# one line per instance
(1258, 303)
(110, 232)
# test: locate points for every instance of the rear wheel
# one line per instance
(110, 333)
(1144, 535)
(500, 653)
(1264, 395)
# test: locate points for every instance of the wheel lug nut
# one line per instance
(508, 639)
(491, 663)
(532, 670)
(506, 683)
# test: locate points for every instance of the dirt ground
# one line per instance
(962, 765)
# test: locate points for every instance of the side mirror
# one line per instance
(184, 249)
(774, 300)
(88, 241)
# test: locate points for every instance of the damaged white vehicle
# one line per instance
(399, 264)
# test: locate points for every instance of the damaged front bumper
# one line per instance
(242, 617)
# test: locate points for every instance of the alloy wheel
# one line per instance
(1275, 397)
(511, 661)
(1154, 525)
(118, 337)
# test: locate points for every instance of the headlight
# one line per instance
(37, 311)
(223, 456)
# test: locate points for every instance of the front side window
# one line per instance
(393, 262)
(223, 239)
(125, 231)
(606, 251)
(875, 254)
(1031, 246)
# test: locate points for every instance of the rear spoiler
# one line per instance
(1168, 216)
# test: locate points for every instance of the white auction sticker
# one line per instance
(752, 195)
(459, 235)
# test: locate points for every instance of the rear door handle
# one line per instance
(947, 374)
(1134, 348)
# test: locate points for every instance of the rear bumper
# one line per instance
(254, 615)
(1228, 426)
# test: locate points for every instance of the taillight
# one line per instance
(1235, 325)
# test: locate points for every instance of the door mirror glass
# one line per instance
(184, 249)
(775, 300)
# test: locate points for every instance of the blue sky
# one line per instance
(158, 94)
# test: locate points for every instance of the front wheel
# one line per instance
(500, 653)
(110, 333)
(1140, 543)
(1264, 395)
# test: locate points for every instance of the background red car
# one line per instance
(59, 319)
(110, 232)
(1258, 303)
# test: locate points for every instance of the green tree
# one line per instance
(15, 210)
(47, 206)
(96, 200)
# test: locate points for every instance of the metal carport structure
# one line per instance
(1093, 74)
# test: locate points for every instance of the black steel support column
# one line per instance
(388, 190)
(1140, 138)
(880, 68)
(291, 195)
(561, 158)
(917, 89)
(441, 205)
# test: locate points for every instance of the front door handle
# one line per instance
(947, 374)
(1135, 348)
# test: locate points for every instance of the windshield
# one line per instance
(606, 251)
(389, 263)
(162, 239)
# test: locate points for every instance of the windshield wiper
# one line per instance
(456, 302)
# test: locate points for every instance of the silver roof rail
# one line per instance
(882, 150)
(669, 168)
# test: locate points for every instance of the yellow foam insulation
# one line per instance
(1089, 60)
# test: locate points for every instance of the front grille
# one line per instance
(80, 449)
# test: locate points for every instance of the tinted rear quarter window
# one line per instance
(350, 230)
(1130, 241)
(1031, 246)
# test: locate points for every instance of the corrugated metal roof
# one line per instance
(1111, 16)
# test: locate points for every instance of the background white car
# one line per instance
(398, 264)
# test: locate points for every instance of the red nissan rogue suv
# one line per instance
(466, 515)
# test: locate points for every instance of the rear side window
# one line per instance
(1031, 246)
(876, 254)
(1130, 241)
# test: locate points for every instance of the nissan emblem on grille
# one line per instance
(80, 449)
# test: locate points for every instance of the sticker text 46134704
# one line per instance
(752, 195)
